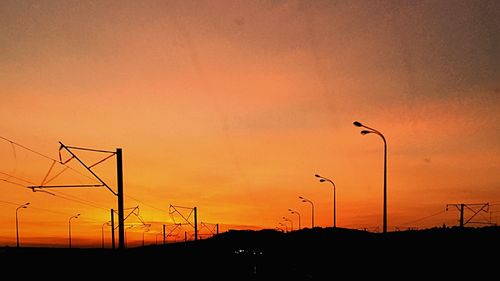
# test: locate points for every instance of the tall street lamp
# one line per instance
(295, 212)
(373, 131)
(24, 206)
(312, 206)
(323, 179)
(69, 227)
(291, 222)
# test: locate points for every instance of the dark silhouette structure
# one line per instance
(373, 131)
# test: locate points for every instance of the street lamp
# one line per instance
(323, 179)
(284, 225)
(24, 206)
(69, 227)
(295, 212)
(312, 206)
(143, 236)
(373, 131)
(102, 232)
(291, 222)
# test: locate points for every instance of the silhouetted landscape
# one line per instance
(249, 140)
(308, 254)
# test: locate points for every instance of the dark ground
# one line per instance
(308, 254)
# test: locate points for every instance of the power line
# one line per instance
(151, 206)
(11, 203)
(45, 156)
(424, 218)
(17, 178)
(27, 148)
(78, 200)
(63, 196)
(11, 182)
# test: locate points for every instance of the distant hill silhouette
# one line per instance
(308, 254)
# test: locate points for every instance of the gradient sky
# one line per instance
(233, 106)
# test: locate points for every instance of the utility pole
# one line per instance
(112, 229)
(195, 224)
(164, 238)
(217, 229)
(118, 194)
(461, 215)
(121, 224)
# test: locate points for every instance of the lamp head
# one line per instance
(27, 203)
(300, 197)
(357, 124)
(365, 132)
(322, 180)
(318, 176)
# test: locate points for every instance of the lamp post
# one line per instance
(69, 227)
(284, 225)
(312, 206)
(323, 179)
(373, 131)
(146, 230)
(102, 232)
(291, 222)
(24, 206)
(295, 212)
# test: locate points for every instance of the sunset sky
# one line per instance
(233, 106)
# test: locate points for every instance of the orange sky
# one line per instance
(233, 106)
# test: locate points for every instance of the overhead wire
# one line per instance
(149, 205)
(47, 157)
(11, 203)
(424, 218)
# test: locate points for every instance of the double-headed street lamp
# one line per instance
(284, 225)
(298, 214)
(24, 206)
(291, 222)
(312, 209)
(102, 232)
(323, 179)
(69, 227)
(373, 131)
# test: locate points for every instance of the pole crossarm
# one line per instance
(483, 207)
(118, 193)
(174, 209)
(89, 168)
(212, 228)
(176, 226)
(65, 186)
(134, 211)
